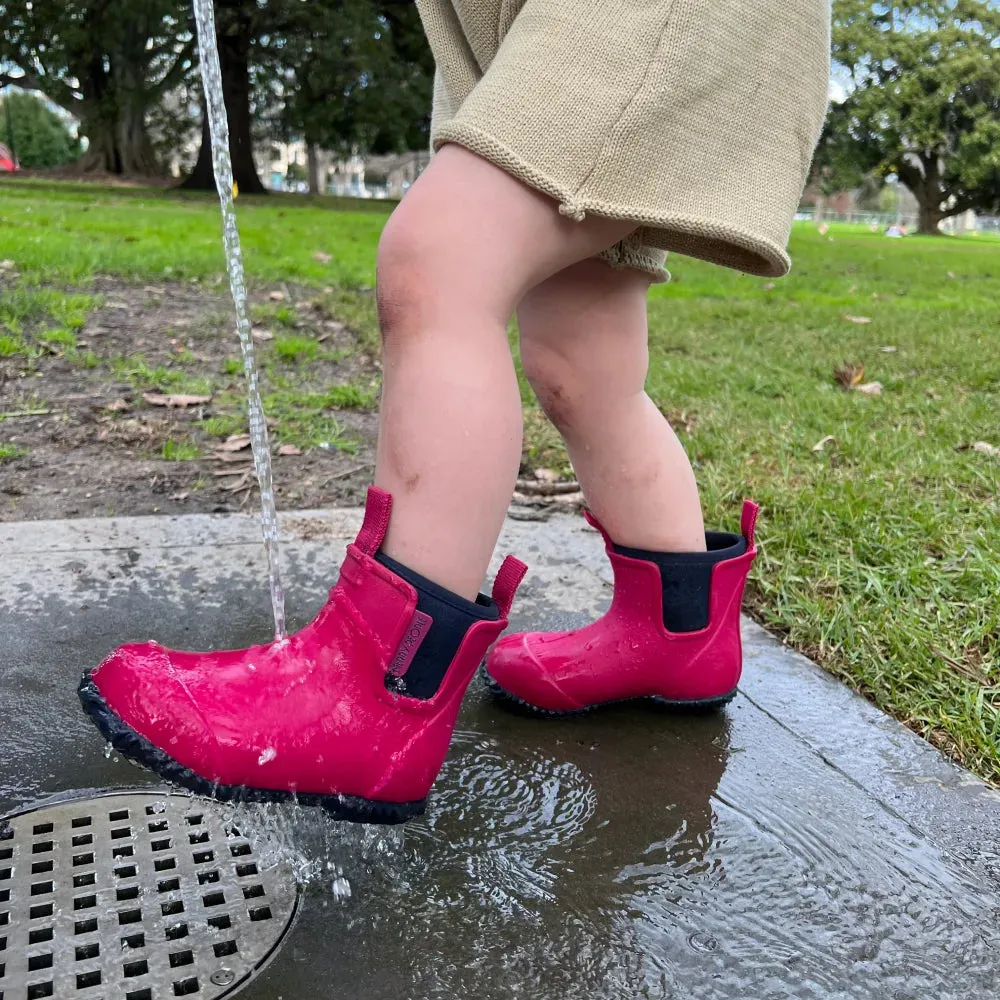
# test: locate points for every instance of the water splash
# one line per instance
(215, 108)
(316, 848)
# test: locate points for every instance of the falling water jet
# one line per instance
(215, 108)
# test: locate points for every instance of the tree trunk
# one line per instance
(930, 218)
(233, 50)
(119, 147)
(312, 155)
(925, 185)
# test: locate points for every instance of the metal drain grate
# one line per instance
(133, 897)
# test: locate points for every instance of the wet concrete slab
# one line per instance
(798, 845)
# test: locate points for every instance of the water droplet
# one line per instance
(702, 942)
(340, 888)
(267, 755)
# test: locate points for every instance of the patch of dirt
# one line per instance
(93, 446)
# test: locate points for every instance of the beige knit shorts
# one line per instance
(695, 119)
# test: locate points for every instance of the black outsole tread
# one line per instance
(351, 808)
(691, 705)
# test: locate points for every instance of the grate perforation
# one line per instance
(141, 896)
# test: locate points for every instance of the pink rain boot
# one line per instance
(629, 653)
(317, 716)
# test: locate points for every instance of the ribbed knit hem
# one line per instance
(705, 238)
(631, 255)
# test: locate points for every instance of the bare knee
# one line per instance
(402, 287)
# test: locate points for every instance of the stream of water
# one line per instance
(215, 108)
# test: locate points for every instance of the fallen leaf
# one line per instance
(857, 319)
(276, 296)
(888, 349)
(823, 442)
(849, 374)
(328, 289)
(7, 265)
(768, 287)
(869, 388)
(174, 399)
(223, 473)
(240, 484)
(228, 456)
(117, 405)
(323, 258)
(985, 448)
(235, 442)
(546, 475)
(289, 449)
(259, 333)
(951, 274)
(178, 496)
(852, 289)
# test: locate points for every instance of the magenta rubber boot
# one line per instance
(314, 716)
(629, 653)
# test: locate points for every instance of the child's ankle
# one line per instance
(446, 617)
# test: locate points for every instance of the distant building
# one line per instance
(284, 166)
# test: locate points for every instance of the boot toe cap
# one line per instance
(518, 665)
(140, 687)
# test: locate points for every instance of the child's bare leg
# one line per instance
(583, 346)
(457, 256)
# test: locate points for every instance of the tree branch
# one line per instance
(911, 177)
(960, 206)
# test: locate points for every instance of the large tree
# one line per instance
(239, 25)
(105, 61)
(923, 102)
(341, 74)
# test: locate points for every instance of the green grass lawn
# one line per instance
(880, 550)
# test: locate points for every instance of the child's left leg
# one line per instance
(584, 351)
(672, 632)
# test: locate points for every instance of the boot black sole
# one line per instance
(692, 705)
(351, 808)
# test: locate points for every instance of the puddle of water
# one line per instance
(633, 855)
(624, 854)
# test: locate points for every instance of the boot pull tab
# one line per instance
(376, 522)
(748, 523)
(594, 523)
(506, 583)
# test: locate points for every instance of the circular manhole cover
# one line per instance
(138, 896)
